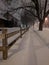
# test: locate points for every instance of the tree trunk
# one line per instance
(41, 26)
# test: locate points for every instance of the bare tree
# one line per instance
(40, 13)
(40, 10)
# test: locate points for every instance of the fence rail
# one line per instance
(4, 36)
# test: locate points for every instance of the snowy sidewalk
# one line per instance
(40, 47)
(32, 49)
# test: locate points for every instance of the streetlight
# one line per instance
(46, 19)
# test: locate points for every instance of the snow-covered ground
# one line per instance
(31, 49)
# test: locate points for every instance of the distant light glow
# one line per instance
(46, 19)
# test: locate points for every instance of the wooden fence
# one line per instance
(4, 36)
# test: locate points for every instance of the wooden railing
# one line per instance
(4, 36)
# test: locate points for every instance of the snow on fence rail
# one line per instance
(4, 36)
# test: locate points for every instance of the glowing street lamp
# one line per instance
(46, 19)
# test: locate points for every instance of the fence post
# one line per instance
(4, 43)
(20, 32)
